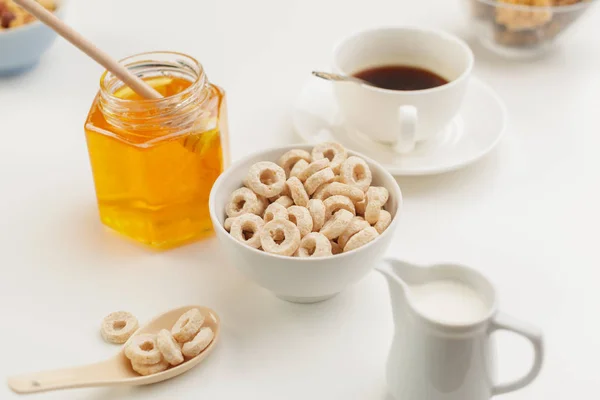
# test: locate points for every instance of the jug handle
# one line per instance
(534, 335)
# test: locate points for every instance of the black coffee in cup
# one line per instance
(401, 77)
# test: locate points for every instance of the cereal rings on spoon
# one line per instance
(246, 229)
(290, 158)
(118, 326)
(198, 343)
(168, 347)
(337, 224)
(142, 349)
(355, 172)
(281, 237)
(187, 325)
(361, 238)
(335, 153)
(314, 244)
(151, 369)
(317, 212)
(376, 199)
(302, 218)
(297, 191)
(266, 179)
(244, 201)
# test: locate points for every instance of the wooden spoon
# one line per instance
(117, 370)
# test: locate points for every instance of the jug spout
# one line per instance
(397, 286)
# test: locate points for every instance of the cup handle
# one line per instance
(534, 335)
(407, 136)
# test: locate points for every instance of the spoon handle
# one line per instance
(99, 374)
(337, 77)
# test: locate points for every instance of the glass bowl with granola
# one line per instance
(523, 28)
(23, 39)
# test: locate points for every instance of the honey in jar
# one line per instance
(154, 161)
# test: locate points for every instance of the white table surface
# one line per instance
(526, 215)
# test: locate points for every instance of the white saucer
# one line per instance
(475, 131)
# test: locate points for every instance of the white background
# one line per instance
(527, 215)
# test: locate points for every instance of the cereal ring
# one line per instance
(297, 191)
(145, 369)
(168, 347)
(355, 171)
(298, 168)
(280, 229)
(384, 220)
(188, 325)
(285, 201)
(317, 212)
(337, 224)
(266, 178)
(314, 244)
(361, 238)
(245, 229)
(198, 343)
(360, 207)
(301, 217)
(334, 152)
(118, 326)
(334, 203)
(321, 191)
(142, 349)
(356, 225)
(342, 189)
(377, 196)
(313, 168)
(290, 158)
(227, 223)
(244, 201)
(275, 210)
(335, 248)
(317, 179)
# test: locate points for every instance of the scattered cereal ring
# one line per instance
(376, 198)
(118, 326)
(168, 347)
(343, 189)
(334, 203)
(335, 248)
(145, 369)
(245, 229)
(384, 220)
(290, 158)
(337, 224)
(317, 212)
(187, 325)
(317, 179)
(301, 217)
(334, 152)
(142, 349)
(280, 229)
(355, 171)
(266, 178)
(244, 201)
(361, 238)
(314, 244)
(356, 225)
(298, 168)
(275, 210)
(313, 168)
(285, 201)
(227, 223)
(360, 207)
(320, 193)
(297, 191)
(198, 343)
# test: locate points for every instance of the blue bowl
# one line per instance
(22, 47)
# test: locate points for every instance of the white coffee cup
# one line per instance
(402, 117)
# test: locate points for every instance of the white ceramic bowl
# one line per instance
(300, 280)
(22, 47)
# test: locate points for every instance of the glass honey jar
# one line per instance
(154, 161)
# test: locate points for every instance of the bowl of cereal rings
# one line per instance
(523, 28)
(303, 221)
(23, 39)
